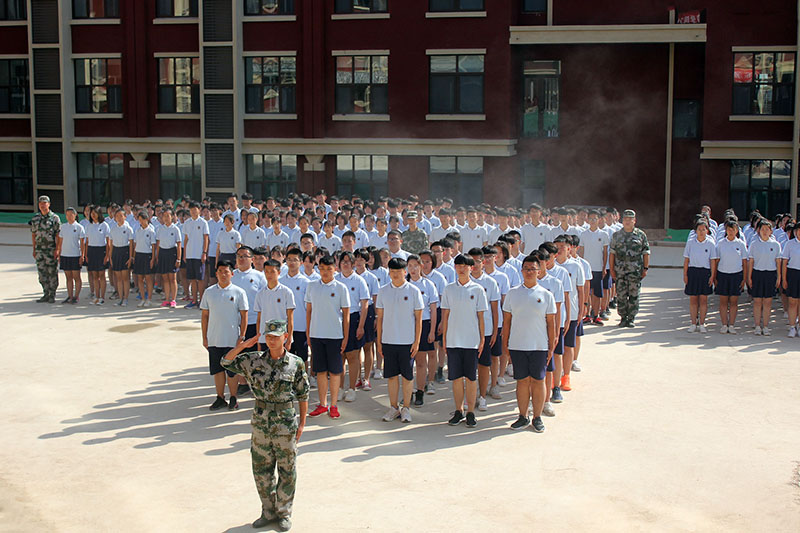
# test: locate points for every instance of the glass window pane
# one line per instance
(183, 99)
(471, 94)
(442, 5)
(764, 67)
(6, 191)
(166, 99)
(344, 99)
(288, 70)
(6, 165)
(344, 167)
(22, 165)
(289, 167)
(272, 167)
(362, 72)
(380, 69)
(99, 100)
(84, 165)
(83, 99)
(743, 68)
(252, 70)
(740, 174)
(117, 167)
(183, 70)
(379, 99)
(185, 166)
(22, 191)
(442, 97)
(470, 63)
(287, 99)
(253, 99)
(763, 100)
(742, 99)
(470, 165)
(781, 175)
(98, 68)
(82, 73)
(784, 99)
(344, 69)
(784, 68)
(253, 167)
(18, 72)
(198, 166)
(739, 200)
(442, 164)
(100, 166)
(166, 71)
(114, 72)
(443, 64)
(271, 67)
(168, 166)
(270, 99)
(362, 166)
(380, 168)
(471, 5)
(760, 174)
(195, 71)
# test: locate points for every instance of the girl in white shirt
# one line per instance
(731, 266)
(763, 274)
(790, 279)
(699, 273)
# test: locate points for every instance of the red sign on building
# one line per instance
(696, 16)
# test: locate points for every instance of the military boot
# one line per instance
(263, 521)
(42, 299)
(284, 524)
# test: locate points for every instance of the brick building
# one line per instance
(629, 103)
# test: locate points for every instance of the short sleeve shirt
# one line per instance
(71, 235)
(399, 304)
(168, 237)
(700, 254)
(228, 241)
(358, 290)
(273, 304)
(145, 238)
(593, 243)
(429, 295)
(464, 302)
(224, 306)
(529, 308)
(251, 282)
(297, 285)
(492, 295)
(194, 231)
(327, 301)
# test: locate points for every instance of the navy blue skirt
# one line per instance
(698, 282)
(141, 264)
(764, 283)
(69, 264)
(369, 325)
(119, 258)
(729, 284)
(94, 258)
(792, 283)
(166, 261)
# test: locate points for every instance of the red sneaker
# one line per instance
(359, 384)
(333, 412)
(565, 383)
(320, 410)
(597, 321)
(587, 320)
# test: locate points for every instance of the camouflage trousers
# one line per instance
(47, 266)
(270, 451)
(628, 286)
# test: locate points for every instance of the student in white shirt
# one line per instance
(168, 257)
(71, 252)
(144, 259)
(428, 261)
(731, 265)
(274, 302)
(463, 305)
(583, 312)
(503, 285)
(378, 239)
(442, 252)
(491, 323)
(699, 273)
(763, 274)
(277, 237)
(576, 303)
(359, 304)
(297, 282)
(473, 235)
(425, 359)
(215, 226)
(228, 241)
(562, 275)
(97, 241)
(195, 245)
(790, 275)
(595, 250)
(252, 282)
(328, 240)
(399, 326)
(253, 235)
(535, 232)
(328, 326)
(121, 238)
(362, 258)
(394, 241)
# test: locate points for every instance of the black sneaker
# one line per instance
(218, 404)
(556, 396)
(233, 404)
(471, 422)
(538, 425)
(242, 389)
(67, 300)
(612, 304)
(418, 397)
(522, 422)
(440, 375)
(457, 418)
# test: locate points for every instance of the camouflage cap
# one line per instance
(276, 328)
(629, 213)
(44, 198)
(411, 214)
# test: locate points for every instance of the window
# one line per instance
(459, 178)
(534, 6)
(178, 85)
(686, 119)
(100, 178)
(760, 184)
(16, 178)
(95, 9)
(456, 84)
(533, 182)
(763, 83)
(361, 6)
(14, 86)
(181, 174)
(456, 5)
(362, 84)
(13, 10)
(364, 175)
(270, 84)
(269, 7)
(271, 175)
(542, 95)
(176, 8)
(98, 85)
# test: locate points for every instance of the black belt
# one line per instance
(274, 406)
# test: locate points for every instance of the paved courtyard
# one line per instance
(106, 428)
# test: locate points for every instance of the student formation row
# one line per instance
(763, 257)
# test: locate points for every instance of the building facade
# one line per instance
(635, 104)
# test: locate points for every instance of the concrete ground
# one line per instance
(106, 428)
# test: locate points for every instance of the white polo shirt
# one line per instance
(529, 309)
(448, 272)
(237, 216)
(533, 236)
(593, 243)
(251, 281)
(145, 238)
(227, 241)
(473, 237)
(273, 304)
(327, 301)
(97, 234)
(553, 284)
(214, 228)
(439, 282)
(576, 279)
(168, 237)
(254, 238)
(731, 254)
(503, 285)
(194, 230)
(372, 285)
(332, 243)
(464, 303)
(71, 235)
(382, 273)
(399, 304)
(764, 253)
(402, 254)
(224, 307)
(297, 285)
(378, 241)
(700, 254)
(357, 288)
(562, 274)
(511, 273)
(430, 295)
(121, 236)
(362, 238)
(791, 253)
(492, 295)
(282, 239)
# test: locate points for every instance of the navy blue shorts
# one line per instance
(226, 257)
(251, 331)
(95, 256)
(215, 354)
(607, 280)
(764, 283)
(369, 325)
(560, 346)
(424, 345)
(166, 261)
(729, 284)
(485, 357)
(326, 355)
(70, 264)
(792, 282)
(579, 331)
(141, 264)
(353, 342)
(551, 365)
(211, 266)
(569, 336)
(529, 364)
(698, 282)
(497, 349)
(300, 345)
(119, 258)
(194, 269)
(462, 363)
(397, 361)
(438, 321)
(596, 284)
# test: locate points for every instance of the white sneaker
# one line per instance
(391, 414)
(430, 388)
(141, 304)
(124, 303)
(510, 370)
(702, 328)
(692, 328)
(757, 330)
(482, 404)
(548, 409)
(405, 415)
(785, 314)
(378, 374)
(341, 394)
(501, 382)
(119, 303)
(312, 382)
(148, 303)
(576, 367)
(766, 331)
(350, 395)
(723, 329)
(494, 392)
(792, 332)
(732, 330)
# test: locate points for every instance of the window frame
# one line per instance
(108, 5)
(283, 185)
(377, 187)
(109, 89)
(339, 8)
(754, 84)
(195, 181)
(455, 179)
(10, 88)
(354, 87)
(249, 86)
(108, 182)
(533, 12)
(772, 194)
(193, 10)
(541, 81)
(4, 10)
(15, 177)
(456, 7)
(194, 87)
(280, 12)
(456, 97)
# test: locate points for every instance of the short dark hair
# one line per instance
(397, 263)
(272, 263)
(327, 260)
(462, 259)
(475, 252)
(223, 263)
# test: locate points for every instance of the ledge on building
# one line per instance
(179, 116)
(475, 117)
(270, 116)
(455, 14)
(608, 34)
(13, 23)
(761, 118)
(94, 22)
(361, 117)
(97, 115)
(359, 16)
(176, 20)
(9, 116)
(746, 150)
(269, 18)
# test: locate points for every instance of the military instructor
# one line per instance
(629, 262)
(276, 378)
(45, 226)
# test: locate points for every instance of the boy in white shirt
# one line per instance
(195, 244)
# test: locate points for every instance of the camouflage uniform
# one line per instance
(275, 383)
(629, 250)
(45, 228)
(415, 241)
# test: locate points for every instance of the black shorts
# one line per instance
(560, 346)
(397, 361)
(698, 282)
(353, 342)
(579, 331)
(215, 354)
(95, 256)
(226, 257)
(194, 269)
(119, 258)
(485, 357)
(251, 331)
(70, 264)
(462, 363)
(729, 284)
(569, 336)
(424, 345)
(607, 280)
(300, 345)
(529, 364)
(141, 264)
(211, 266)
(497, 349)
(792, 282)
(596, 284)
(369, 325)
(166, 261)
(326, 355)
(438, 321)
(763, 283)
